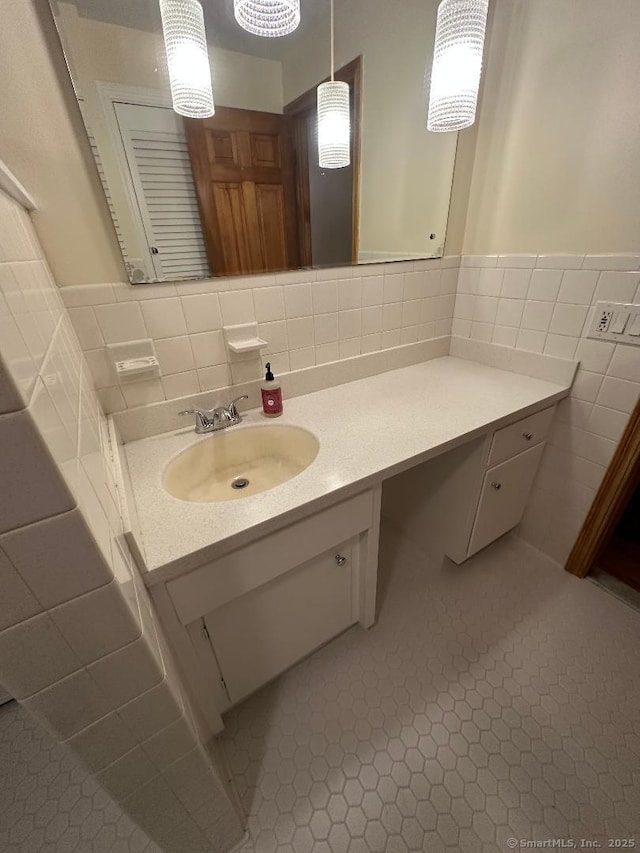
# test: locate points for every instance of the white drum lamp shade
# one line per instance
(334, 125)
(457, 64)
(187, 58)
(268, 18)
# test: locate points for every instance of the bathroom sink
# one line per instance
(234, 464)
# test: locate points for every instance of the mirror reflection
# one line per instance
(243, 191)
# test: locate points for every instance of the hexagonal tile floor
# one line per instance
(49, 803)
(493, 701)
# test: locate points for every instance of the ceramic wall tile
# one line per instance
(18, 601)
(175, 355)
(34, 655)
(38, 490)
(269, 300)
(121, 322)
(170, 744)
(179, 385)
(269, 304)
(164, 318)
(157, 809)
(103, 742)
(127, 774)
(70, 705)
(202, 312)
(124, 674)
(237, 308)
(96, 624)
(56, 574)
(617, 286)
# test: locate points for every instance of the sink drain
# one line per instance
(239, 483)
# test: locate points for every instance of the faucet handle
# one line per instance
(234, 414)
(202, 421)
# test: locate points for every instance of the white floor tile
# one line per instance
(491, 701)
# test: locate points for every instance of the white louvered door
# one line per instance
(158, 160)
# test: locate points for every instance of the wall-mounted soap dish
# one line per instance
(134, 366)
(243, 340)
(134, 360)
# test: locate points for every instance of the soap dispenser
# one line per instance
(271, 394)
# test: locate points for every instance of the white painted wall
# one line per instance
(556, 162)
(42, 141)
(406, 172)
(114, 54)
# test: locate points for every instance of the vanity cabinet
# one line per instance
(467, 498)
(259, 635)
(504, 494)
(239, 621)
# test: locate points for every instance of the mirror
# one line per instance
(242, 192)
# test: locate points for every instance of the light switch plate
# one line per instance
(616, 321)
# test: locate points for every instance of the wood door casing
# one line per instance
(621, 479)
(302, 109)
(244, 170)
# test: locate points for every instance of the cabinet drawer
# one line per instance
(237, 573)
(504, 494)
(258, 636)
(517, 437)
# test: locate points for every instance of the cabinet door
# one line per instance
(259, 635)
(504, 494)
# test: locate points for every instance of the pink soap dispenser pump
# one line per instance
(271, 395)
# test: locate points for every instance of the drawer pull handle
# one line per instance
(527, 435)
(496, 486)
(340, 560)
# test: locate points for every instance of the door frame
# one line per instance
(300, 110)
(620, 480)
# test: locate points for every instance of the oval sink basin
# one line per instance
(233, 464)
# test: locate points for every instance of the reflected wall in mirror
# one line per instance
(242, 192)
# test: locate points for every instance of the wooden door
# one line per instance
(244, 170)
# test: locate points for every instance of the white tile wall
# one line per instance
(544, 305)
(535, 303)
(78, 643)
(307, 317)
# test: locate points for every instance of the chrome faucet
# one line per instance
(212, 420)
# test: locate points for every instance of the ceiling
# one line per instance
(222, 29)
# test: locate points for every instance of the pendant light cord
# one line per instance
(332, 45)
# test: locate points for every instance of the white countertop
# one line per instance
(368, 430)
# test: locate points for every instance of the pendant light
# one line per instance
(457, 64)
(268, 18)
(185, 42)
(334, 118)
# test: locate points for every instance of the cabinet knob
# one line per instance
(340, 560)
(527, 435)
(496, 486)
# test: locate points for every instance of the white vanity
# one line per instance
(246, 587)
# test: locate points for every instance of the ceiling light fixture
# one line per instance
(185, 42)
(457, 64)
(267, 18)
(334, 118)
